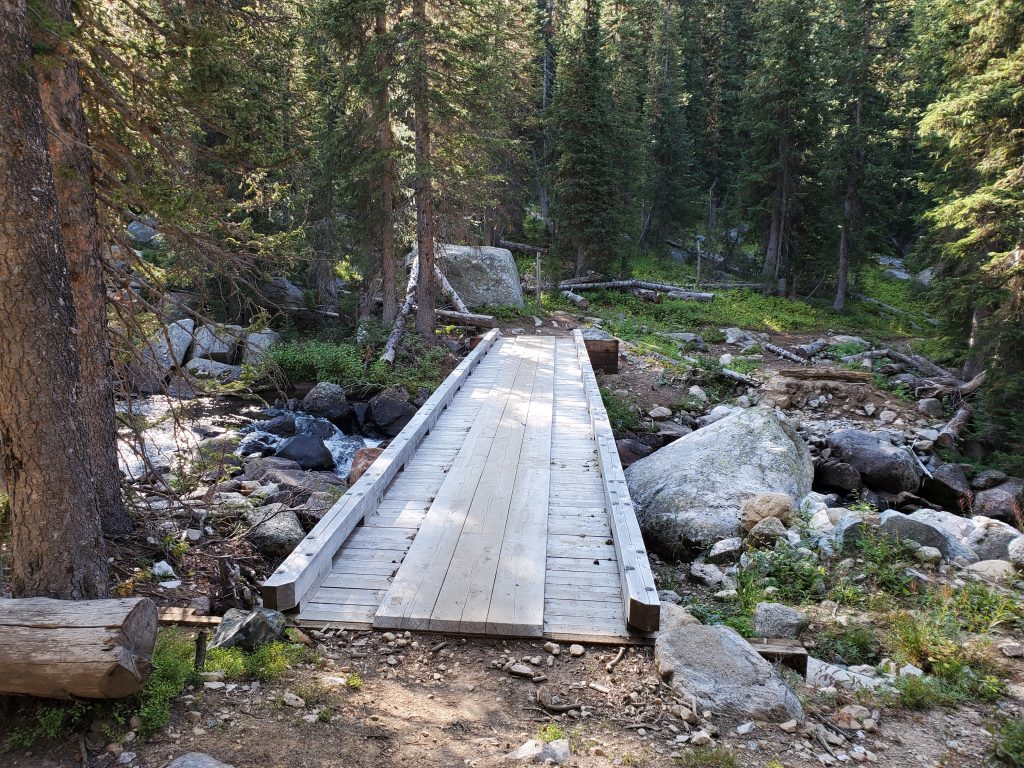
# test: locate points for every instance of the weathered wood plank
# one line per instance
(641, 605)
(311, 560)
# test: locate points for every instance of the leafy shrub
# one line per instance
(799, 579)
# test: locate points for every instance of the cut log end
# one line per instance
(92, 649)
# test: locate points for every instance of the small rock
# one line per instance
(291, 700)
(930, 406)
(193, 716)
(766, 533)
(216, 685)
(744, 728)
(521, 670)
(928, 555)
(553, 648)
(576, 650)
(790, 726)
(660, 412)
(778, 620)
(1012, 650)
(115, 749)
(701, 739)
(125, 758)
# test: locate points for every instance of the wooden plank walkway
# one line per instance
(500, 516)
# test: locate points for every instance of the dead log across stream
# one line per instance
(64, 649)
(674, 291)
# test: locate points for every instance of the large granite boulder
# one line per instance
(778, 620)
(882, 465)
(248, 630)
(201, 368)
(691, 492)
(991, 538)
(257, 346)
(948, 487)
(218, 342)
(1002, 502)
(274, 530)
(482, 275)
(168, 348)
(328, 401)
(924, 528)
(391, 410)
(724, 673)
(308, 451)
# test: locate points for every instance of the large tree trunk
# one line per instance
(389, 173)
(60, 89)
(425, 322)
(56, 538)
(774, 257)
(844, 246)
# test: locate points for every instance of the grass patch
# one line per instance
(1008, 745)
(707, 757)
(551, 732)
(266, 663)
(622, 415)
(854, 644)
(173, 669)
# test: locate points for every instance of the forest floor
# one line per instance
(369, 699)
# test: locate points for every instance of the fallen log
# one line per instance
(449, 291)
(807, 351)
(522, 247)
(467, 318)
(576, 299)
(950, 433)
(737, 376)
(783, 353)
(62, 649)
(391, 347)
(825, 374)
(894, 310)
(673, 291)
(917, 362)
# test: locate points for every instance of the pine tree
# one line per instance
(973, 130)
(586, 207)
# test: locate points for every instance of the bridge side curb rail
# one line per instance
(639, 594)
(310, 562)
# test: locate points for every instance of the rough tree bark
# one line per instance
(423, 188)
(56, 538)
(60, 89)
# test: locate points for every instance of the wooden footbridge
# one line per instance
(500, 509)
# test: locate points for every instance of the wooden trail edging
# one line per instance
(639, 593)
(310, 562)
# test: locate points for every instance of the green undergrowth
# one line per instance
(940, 630)
(707, 757)
(26, 723)
(266, 663)
(356, 371)
(1008, 745)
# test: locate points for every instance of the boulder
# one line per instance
(838, 476)
(168, 347)
(275, 531)
(992, 570)
(931, 406)
(882, 465)
(218, 342)
(991, 539)
(850, 529)
(716, 414)
(766, 533)
(482, 275)
(308, 451)
(947, 487)
(778, 620)
(724, 673)
(902, 527)
(281, 293)
(391, 410)
(196, 760)
(989, 478)
(674, 617)
(630, 450)
(141, 232)
(957, 526)
(361, 462)
(1003, 502)
(248, 630)
(726, 550)
(282, 426)
(259, 469)
(1015, 553)
(690, 493)
(257, 344)
(294, 484)
(211, 370)
(537, 751)
(763, 506)
(328, 401)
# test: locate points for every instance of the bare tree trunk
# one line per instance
(975, 362)
(57, 540)
(60, 89)
(425, 322)
(387, 185)
(581, 260)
